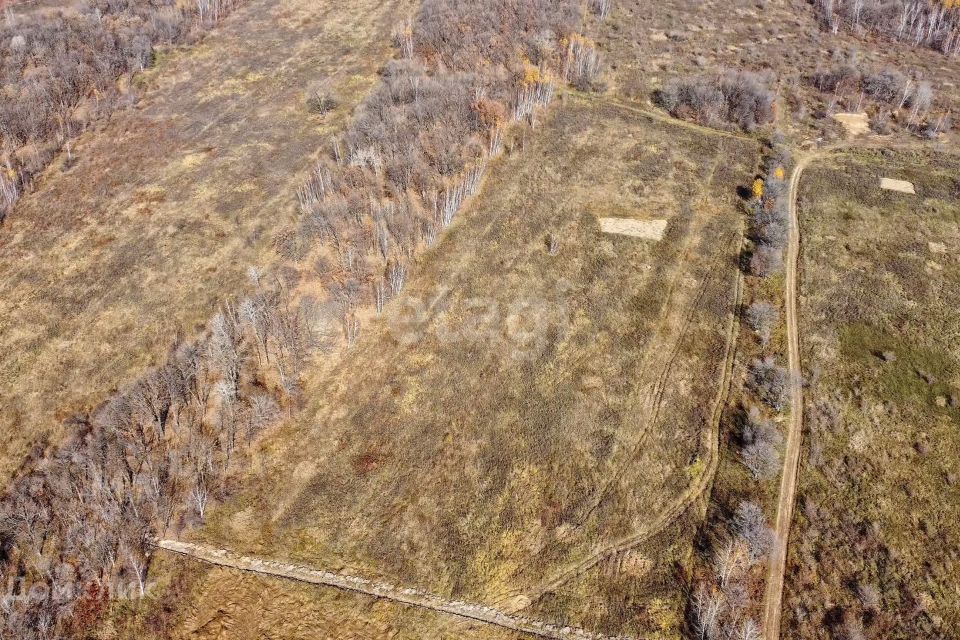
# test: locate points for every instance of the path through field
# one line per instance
(791, 458)
(413, 597)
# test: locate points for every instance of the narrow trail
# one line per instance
(791, 458)
(691, 494)
(403, 595)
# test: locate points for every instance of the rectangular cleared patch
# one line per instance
(897, 185)
(854, 123)
(646, 229)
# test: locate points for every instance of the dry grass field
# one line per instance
(162, 210)
(219, 604)
(548, 416)
(513, 410)
(876, 537)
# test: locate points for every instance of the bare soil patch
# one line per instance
(902, 186)
(855, 124)
(646, 229)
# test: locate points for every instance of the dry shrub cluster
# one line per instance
(906, 98)
(59, 71)
(740, 98)
(770, 216)
(75, 526)
(419, 144)
(922, 23)
(727, 590)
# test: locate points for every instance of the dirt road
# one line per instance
(412, 597)
(791, 458)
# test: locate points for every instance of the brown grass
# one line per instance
(168, 204)
(512, 409)
(878, 497)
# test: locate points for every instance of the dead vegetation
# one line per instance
(892, 97)
(78, 523)
(156, 454)
(167, 442)
(739, 98)
(921, 23)
(106, 262)
(419, 145)
(59, 71)
(552, 438)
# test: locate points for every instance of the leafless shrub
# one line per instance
(761, 316)
(942, 123)
(9, 193)
(762, 459)
(403, 38)
(750, 525)
(601, 8)
(869, 597)
(769, 382)
(736, 97)
(920, 102)
(760, 440)
(766, 261)
(880, 122)
(888, 85)
(320, 99)
(553, 244)
(839, 79)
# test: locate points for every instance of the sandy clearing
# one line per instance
(855, 123)
(646, 229)
(892, 184)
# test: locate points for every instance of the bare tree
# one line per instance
(729, 562)
(761, 316)
(769, 382)
(748, 630)
(751, 526)
(706, 607)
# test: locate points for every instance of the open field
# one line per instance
(875, 538)
(163, 209)
(514, 410)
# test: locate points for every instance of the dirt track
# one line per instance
(791, 458)
(412, 597)
(694, 491)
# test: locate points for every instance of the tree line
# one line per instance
(726, 591)
(419, 145)
(77, 522)
(933, 24)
